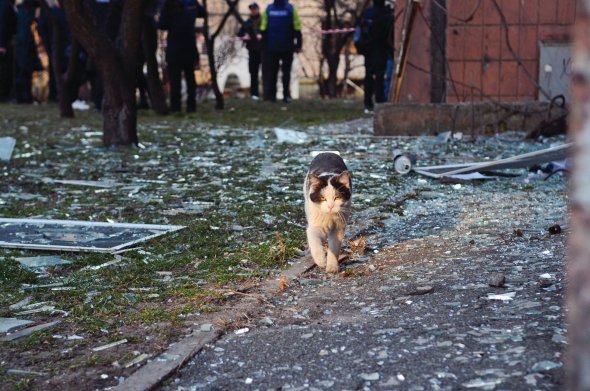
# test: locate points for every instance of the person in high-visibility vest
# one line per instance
(281, 34)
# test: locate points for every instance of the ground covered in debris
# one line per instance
(411, 306)
(418, 315)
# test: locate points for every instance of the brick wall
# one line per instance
(479, 59)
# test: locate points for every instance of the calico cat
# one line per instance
(328, 191)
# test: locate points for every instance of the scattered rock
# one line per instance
(555, 229)
(497, 280)
(546, 280)
(267, 321)
(369, 376)
(242, 331)
(422, 290)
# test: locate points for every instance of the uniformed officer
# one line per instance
(281, 34)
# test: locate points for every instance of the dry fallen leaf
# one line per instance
(358, 245)
(283, 283)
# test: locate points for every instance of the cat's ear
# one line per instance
(315, 181)
(344, 179)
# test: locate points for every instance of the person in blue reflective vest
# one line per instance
(281, 36)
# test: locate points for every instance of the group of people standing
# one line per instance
(272, 37)
(21, 22)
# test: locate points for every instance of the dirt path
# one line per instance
(418, 315)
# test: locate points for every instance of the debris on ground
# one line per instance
(68, 235)
(28, 331)
(474, 170)
(238, 193)
(290, 136)
(42, 261)
(6, 147)
(7, 324)
(110, 345)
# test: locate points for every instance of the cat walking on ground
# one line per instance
(328, 200)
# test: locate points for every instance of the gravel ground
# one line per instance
(445, 286)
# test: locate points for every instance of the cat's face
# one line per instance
(331, 195)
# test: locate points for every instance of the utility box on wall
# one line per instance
(555, 66)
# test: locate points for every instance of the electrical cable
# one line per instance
(466, 20)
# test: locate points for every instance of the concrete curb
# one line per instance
(152, 374)
(155, 372)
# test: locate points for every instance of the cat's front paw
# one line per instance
(321, 263)
(332, 267)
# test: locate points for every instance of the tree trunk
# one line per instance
(346, 69)
(116, 61)
(119, 116)
(333, 62)
(118, 108)
(210, 41)
(149, 45)
(332, 45)
(64, 93)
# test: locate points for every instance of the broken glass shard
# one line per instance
(105, 184)
(35, 262)
(7, 324)
(28, 331)
(69, 235)
(290, 136)
(545, 366)
(6, 147)
(108, 346)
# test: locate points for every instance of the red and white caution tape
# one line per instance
(314, 32)
(331, 31)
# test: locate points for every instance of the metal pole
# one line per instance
(405, 39)
(578, 268)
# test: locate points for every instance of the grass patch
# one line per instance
(240, 204)
(12, 274)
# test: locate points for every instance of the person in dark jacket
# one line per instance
(45, 28)
(27, 57)
(251, 33)
(178, 18)
(377, 46)
(7, 33)
(281, 34)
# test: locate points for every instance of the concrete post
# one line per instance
(578, 297)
